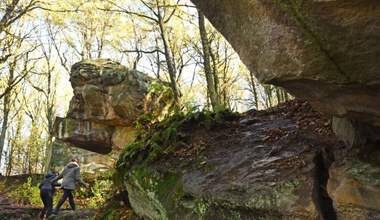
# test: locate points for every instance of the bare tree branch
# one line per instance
(143, 51)
(13, 13)
(172, 13)
(123, 10)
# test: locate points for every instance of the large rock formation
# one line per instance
(283, 165)
(324, 51)
(107, 99)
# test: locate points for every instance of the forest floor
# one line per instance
(9, 208)
(216, 144)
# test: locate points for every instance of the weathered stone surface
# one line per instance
(326, 52)
(355, 133)
(242, 186)
(269, 167)
(85, 134)
(122, 136)
(107, 91)
(107, 99)
(354, 187)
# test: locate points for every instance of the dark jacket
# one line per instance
(71, 176)
(47, 182)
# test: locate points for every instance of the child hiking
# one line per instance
(47, 188)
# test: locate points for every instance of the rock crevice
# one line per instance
(324, 204)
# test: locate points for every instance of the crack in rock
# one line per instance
(324, 204)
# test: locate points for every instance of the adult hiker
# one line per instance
(47, 189)
(71, 176)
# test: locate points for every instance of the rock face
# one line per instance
(107, 91)
(354, 187)
(323, 51)
(260, 166)
(326, 52)
(107, 99)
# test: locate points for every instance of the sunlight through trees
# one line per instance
(167, 39)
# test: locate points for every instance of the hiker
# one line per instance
(71, 176)
(47, 189)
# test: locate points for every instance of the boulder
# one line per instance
(108, 92)
(108, 98)
(259, 166)
(323, 51)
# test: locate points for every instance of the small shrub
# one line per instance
(3, 186)
(27, 193)
(99, 190)
(94, 197)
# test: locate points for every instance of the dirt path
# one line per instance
(9, 210)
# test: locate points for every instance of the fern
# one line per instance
(156, 140)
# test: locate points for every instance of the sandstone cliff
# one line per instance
(323, 51)
(326, 52)
(107, 99)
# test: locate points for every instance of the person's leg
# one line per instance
(43, 198)
(61, 201)
(71, 200)
(49, 203)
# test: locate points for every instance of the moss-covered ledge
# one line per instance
(153, 194)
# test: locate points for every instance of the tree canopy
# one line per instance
(167, 39)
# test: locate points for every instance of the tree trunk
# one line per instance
(4, 124)
(278, 95)
(6, 109)
(268, 92)
(50, 101)
(210, 75)
(254, 89)
(168, 57)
